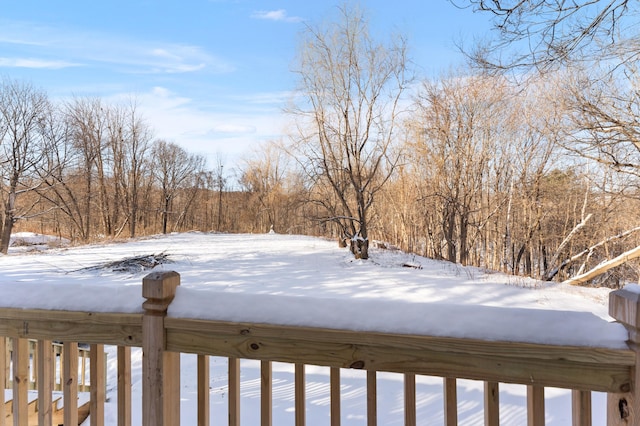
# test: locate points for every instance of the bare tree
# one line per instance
(601, 103)
(219, 183)
(22, 111)
(463, 134)
(265, 175)
(87, 120)
(173, 167)
(603, 123)
(130, 159)
(351, 86)
(63, 187)
(547, 33)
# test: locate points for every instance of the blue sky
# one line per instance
(211, 75)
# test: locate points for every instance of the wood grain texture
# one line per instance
(20, 360)
(334, 391)
(124, 386)
(70, 383)
(97, 389)
(203, 390)
(372, 398)
(491, 404)
(86, 327)
(234, 392)
(300, 395)
(535, 406)
(4, 363)
(45, 369)
(450, 390)
(572, 367)
(266, 393)
(580, 408)
(410, 399)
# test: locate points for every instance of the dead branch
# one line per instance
(604, 267)
(589, 251)
(549, 275)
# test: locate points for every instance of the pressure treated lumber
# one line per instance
(581, 368)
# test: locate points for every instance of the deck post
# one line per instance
(160, 368)
(624, 408)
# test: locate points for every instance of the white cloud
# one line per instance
(35, 63)
(275, 15)
(127, 55)
(209, 129)
(232, 128)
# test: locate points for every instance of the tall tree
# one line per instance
(130, 159)
(351, 86)
(22, 111)
(464, 133)
(173, 167)
(87, 120)
(599, 36)
(266, 176)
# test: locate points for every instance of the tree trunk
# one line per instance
(9, 219)
(604, 267)
(548, 276)
(165, 214)
(464, 231)
(360, 248)
(450, 228)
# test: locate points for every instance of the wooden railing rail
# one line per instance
(582, 369)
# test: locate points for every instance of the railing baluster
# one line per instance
(491, 404)
(450, 390)
(372, 398)
(409, 399)
(3, 377)
(70, 383)
(60, 384)
(45, 381)
(203, 390)
(20, 361)
(535, 406)
(266, 393)
(97, 384)
(82, 380)
(334, 380)
(7, 367)
(124, 386)
(234, 392)
(580, 408)
(33, 368)
(300, 395)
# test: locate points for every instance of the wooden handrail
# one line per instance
(110, 328)
(572, 367)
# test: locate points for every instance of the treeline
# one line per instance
(488, 175)
(88, 170)
(483, 178)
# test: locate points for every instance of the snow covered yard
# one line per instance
(310, 281)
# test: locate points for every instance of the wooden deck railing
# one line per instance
(580, 368)
(58, 358)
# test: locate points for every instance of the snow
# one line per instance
(297, 280)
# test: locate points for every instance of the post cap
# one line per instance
(160, 285)
(624, 305)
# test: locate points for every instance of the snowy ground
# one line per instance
(309, 281)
